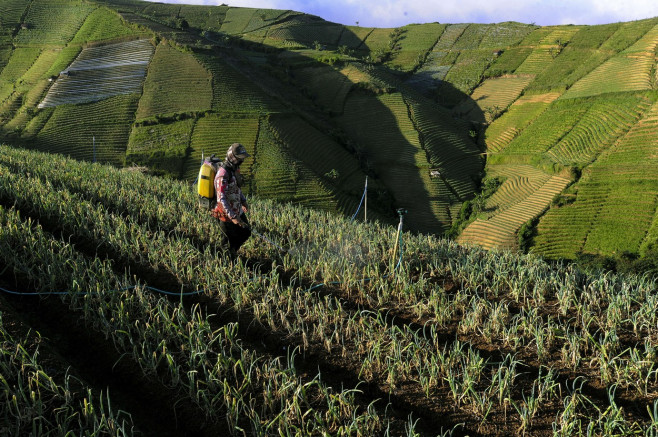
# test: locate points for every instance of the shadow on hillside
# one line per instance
(389, 157)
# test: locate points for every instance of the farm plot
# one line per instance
(548, 128)
(520, 114)
(382, 125)
(492, 97)
(214, 133)
(606, 120)
(455, 338)
(176, 83)
(415, 42)
(237, 19)
(11, 12)
(279, 175)
(610, 213)
(327, 86)
(353, 37)
(468, 70)
(503, 35)
(202, 17)
(328, 160)
(630, 70)
(578, 58)
(511, 212)
(104, 24)
(439, 61)
(546, 49)
(53, 22)
(448, 150)
(232, 91)
(101, 72)
(97, 131)
(43, 396)
(161, 147)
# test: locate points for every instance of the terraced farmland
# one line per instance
(512, 211)
(415, 42)
(213, 134)
(605, 121)
(546, 49)
(52, 22)
(629, 71)
(176, 83)
(101, 72)
(522, 112)
(97, 131)
(397, 155)
(232, 92)
(609, 217)
(329, 104)
(492, 97)
(161, 147)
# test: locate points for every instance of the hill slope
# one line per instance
(320, 106)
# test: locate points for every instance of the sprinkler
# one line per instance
(401, 212)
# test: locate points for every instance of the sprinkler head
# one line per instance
(401, 211)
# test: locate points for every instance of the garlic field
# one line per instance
(333, 336)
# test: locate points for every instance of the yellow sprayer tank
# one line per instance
(206, 186)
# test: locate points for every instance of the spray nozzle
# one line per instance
(401, 211)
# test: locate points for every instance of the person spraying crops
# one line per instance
(230, 205)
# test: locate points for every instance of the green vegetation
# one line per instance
(213, 134)
(93, 131)
(231, 91)
(248, 369)
(104, 24)
(53, 22)
(162, 148)
(176, 83)
(415, 42)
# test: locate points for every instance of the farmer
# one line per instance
(231, 203)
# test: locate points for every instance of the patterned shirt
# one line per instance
(229, 195)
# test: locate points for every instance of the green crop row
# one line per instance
(630, 70)
(415, 42)
(614, 189)
(34, 400)
(232, 92)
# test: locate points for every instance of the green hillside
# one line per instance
(558, 118)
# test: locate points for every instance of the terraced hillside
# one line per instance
(426, 112)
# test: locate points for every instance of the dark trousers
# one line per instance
(233, 236)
